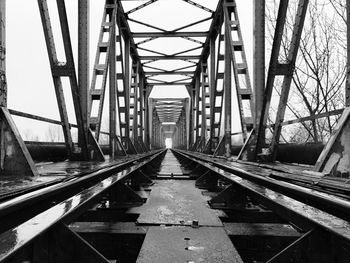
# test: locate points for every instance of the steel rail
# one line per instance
(329, 204)
(326, 202)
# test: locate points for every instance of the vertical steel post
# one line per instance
(191, 115)
(228, 93)
(140, 122)
(148, 117)
(70, 67)
(187, 123)
(127, 87)
(3, 85)
(203, 116)
(152, 128)
(83, 63)
(158, 133)
(287, 80)
(112, 91)
(273, 67)
(184, 129)
(136, 95)
(197, 87)
(259, 58)
(212, 86)
(347, 89)
(51, 50)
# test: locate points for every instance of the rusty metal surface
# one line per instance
(261, 229)
(176, 202)
(185, 244)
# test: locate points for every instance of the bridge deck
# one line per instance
(185, 244)
(173, 205)
(250, 222)
(176, 202)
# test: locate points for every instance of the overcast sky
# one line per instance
(30, 86)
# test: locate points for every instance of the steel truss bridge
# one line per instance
(203, 200)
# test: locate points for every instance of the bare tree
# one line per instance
(54, 133)
(319, 76)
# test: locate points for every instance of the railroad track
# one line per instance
(107, 220)
(328, 202)
(320, 217)
(14, 207)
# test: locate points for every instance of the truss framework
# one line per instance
(278, 69)
(88, 147)
(214, 70)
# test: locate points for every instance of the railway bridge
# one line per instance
(208, 176)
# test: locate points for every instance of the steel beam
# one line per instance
(204, 83)
(100, 69)
(141, 111)
(334, 158)
(83, 62)
(291, 57)
(212, 33)
(169, 34)
(127, 86)
(3, 84)
(212, 87)
(169, 83)
(191, 115)
(198, 5)
(15, 159)
(347, 88)
(259, 58)
(51, 50)
(193, 24)
(154, 73)
(141, 6)
(169, 57)
(276, 45)
(240, 69)
(197, 101)
(148, 116)
(134, 93)
(228, 93)
(61, 7)
(112, 91)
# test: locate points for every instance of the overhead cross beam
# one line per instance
(163, 31)
(140, 7)
(154, 73)
(169, 34)
(198, 5)
(169, 57)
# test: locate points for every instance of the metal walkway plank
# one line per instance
(176, 202)
(186, 244)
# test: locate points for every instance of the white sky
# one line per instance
(30, 85)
